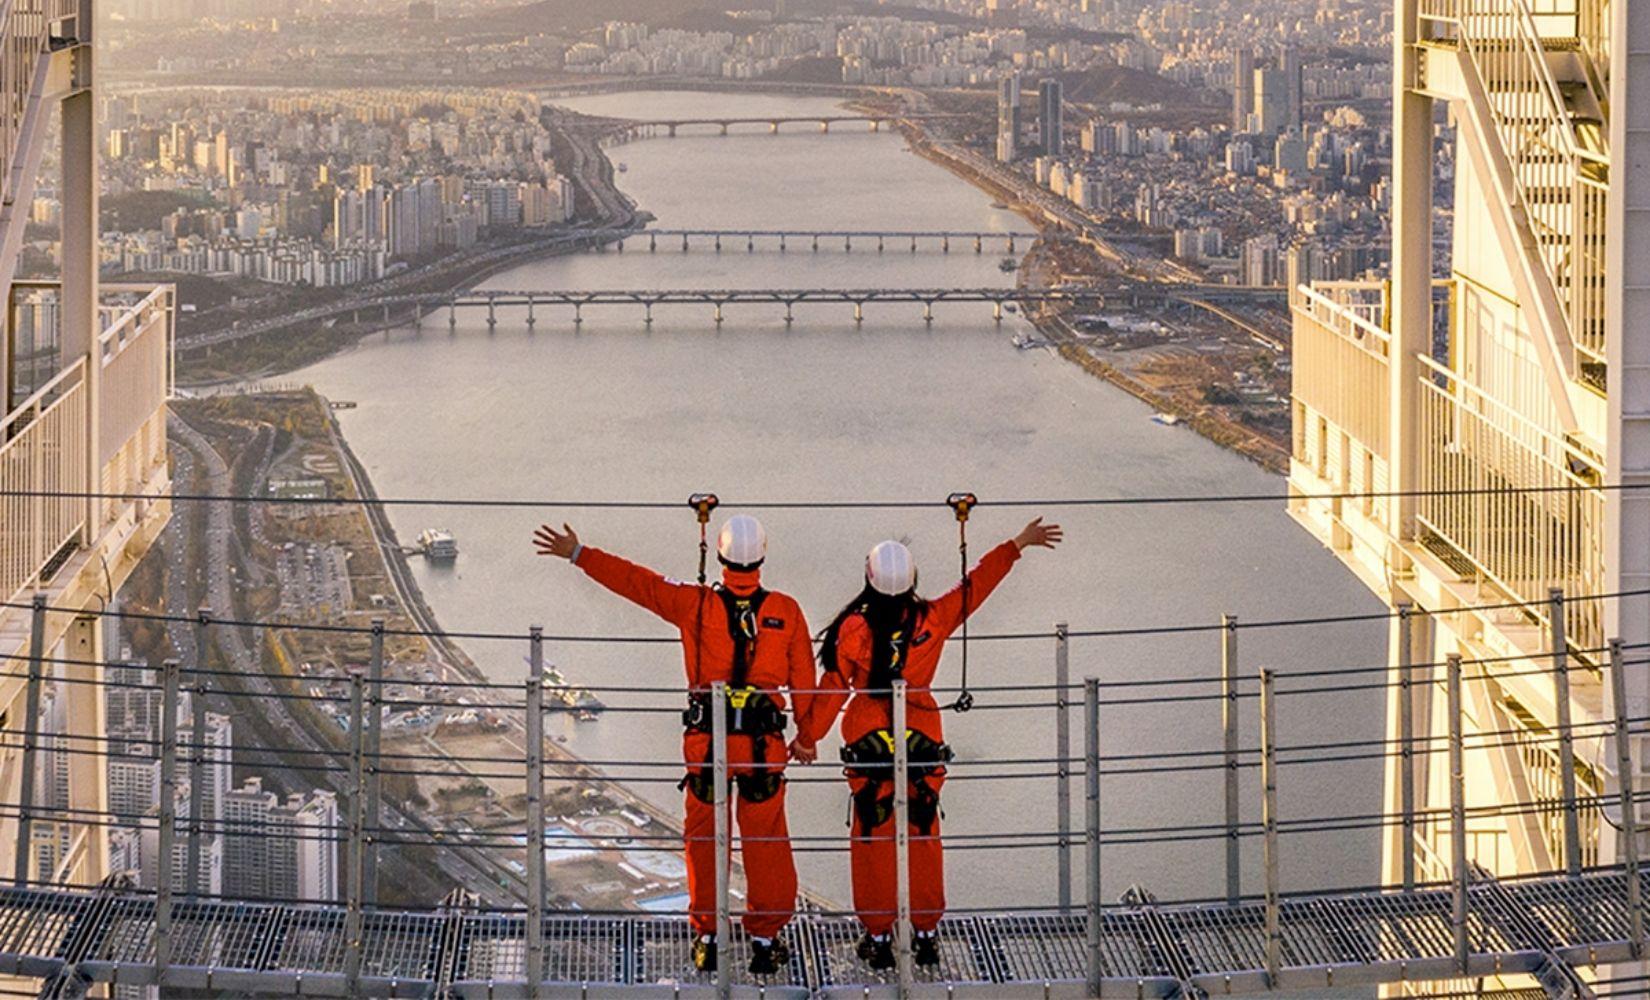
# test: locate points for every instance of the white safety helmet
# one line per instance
(890, 569)
(743, 542)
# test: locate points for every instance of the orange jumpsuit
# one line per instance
(872, 850)
(782, 658)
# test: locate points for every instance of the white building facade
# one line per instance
(1479, 435)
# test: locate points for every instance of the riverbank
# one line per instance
(1185, 399)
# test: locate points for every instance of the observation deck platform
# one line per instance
(1545, 926)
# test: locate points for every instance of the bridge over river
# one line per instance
(850, 240)
(416, 307)
(631, 129)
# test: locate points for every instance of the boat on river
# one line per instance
(438, 545)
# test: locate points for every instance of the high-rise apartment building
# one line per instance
(1294, 84)
(1008, 118)
(1271, 101)
(1243, 88)
(281, 849)
(1051, 117)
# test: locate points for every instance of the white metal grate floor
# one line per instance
(1546, 926)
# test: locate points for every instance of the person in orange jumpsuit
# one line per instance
(757, 641)
(888, 633)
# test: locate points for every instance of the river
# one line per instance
(893, 409)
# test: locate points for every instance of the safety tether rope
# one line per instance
(961, 504)
(702, 504)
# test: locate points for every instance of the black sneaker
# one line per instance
(925, 949)
(767, 959)
(704, 954)
(877, 952)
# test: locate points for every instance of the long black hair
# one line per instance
(883, 615)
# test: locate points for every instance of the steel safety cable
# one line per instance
(1105, 633)
(852, 504)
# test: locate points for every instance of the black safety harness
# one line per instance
(871, 757)
(751, 712)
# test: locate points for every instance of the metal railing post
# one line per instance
(168, 828)
(535, 812)
(353, 923)
(197, 756)
(375, 774)
(1229, 727)
(31, 742)
(1406, 738)
(1457, 815)
(1629, 799)
(719, 801)
(1062, 753)
(1566, 734)
(1091, 825)
(902, 843)
(1269, 825)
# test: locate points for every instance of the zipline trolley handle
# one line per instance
(703, 504)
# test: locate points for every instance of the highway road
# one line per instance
(463, 867)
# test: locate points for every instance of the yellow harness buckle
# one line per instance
(737, 697)
(887, 738)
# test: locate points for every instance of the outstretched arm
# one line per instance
(948, 610)
(672, 601)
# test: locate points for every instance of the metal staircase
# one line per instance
(36, 39)
(1538, 81)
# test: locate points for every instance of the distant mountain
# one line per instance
(810, 69)
(1105, 84)
(581, 15)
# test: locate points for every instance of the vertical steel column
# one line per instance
(719, 801)
(1229, 726)
(902, 843)
(1566, 733)
(197, 756)
(1629, 800)
(31, 742)
(78, 256)
(1091, 825)
(353, 923)
(1406, 737)
(168, 826)
(1457, 815)
(1269, 824)
(535, 811)
(375, 775)
(1062, 753)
